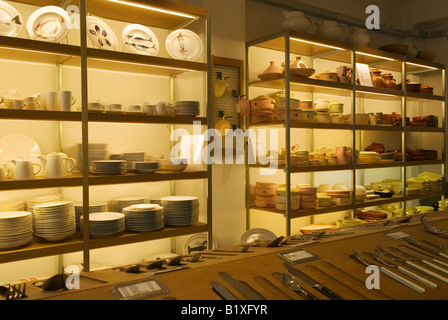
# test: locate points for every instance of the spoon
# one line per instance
(292, 284)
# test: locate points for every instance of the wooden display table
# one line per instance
(260, 268)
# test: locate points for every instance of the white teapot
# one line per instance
(332, 30)
(296, 20)
(57, 165)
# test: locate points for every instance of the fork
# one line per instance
(404, 271)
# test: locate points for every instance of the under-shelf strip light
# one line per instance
(145, 64)
(144, 6)
(318, 44)
(374, 56)
(422, 66)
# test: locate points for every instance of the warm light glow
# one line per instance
(383, 94)
(144, 64)
(318, 44)
(421, 66)
(143, 6)
(375, 56)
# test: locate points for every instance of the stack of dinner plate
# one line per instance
(131, 157)
(117, 205)
(186, 108)
(93, 207)
(12, 205)
(144, 217)
(55, 221)
(97, 151)
(180, 211)
(16, 229)
(105, 224)
(53, 197)
(108, 167)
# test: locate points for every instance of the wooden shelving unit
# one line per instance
(315, 49)
(173, 16)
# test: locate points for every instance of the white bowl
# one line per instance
(172, 165)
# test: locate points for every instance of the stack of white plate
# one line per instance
(131, 157)
(117, 205)
(93, 207)
(105, 224)
(108, 167)
(145, 166)
(53, 197)
(16, 229)
(12, 205)
(55, 221)
(180, 211)
(144, 217)
(97, 151)
(368, 157)
(186, 108)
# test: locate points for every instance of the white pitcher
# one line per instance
(58, 165)
(25, 169)
(296, 20)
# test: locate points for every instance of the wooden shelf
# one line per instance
(75, 180)
(41, 248)
(305, 212)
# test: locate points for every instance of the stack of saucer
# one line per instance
(12, 205)
(93, 207)
(105, 224)
(97, 151)
(15, 229)
(117, 205)
(180, 211)
(108, 167)
(131, 157)
(55, 221)
(186, 108)
(145, 166)
(144, 217)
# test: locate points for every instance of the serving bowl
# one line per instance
(174, 165)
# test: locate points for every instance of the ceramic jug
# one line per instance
(377, 79)
(332, 30)
(58, 165)
(389, 81)
(359, 37)
(296, 20)
(243, 105)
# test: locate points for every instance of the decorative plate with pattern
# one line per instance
(139, 39)
(101, 34)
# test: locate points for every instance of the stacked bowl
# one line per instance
(264, 194)
(308, 197)
(339, 196)
(186, 108)
(105, 224)
(281, 199)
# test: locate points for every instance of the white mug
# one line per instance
(94, 106)
(115, 107)
(66, 100)
(41, 100)
(148, 108)
(24, 170)
(31, 103)
(52, 100)
(134, 108)
(18, 104)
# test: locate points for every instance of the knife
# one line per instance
(223, 292)
(171, 270)
(324, 290)
(244, 290)
(414, 243)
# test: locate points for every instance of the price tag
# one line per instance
(139, 290)
(397, 235)
(297, 256)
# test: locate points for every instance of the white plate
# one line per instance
(257, 234)
(18, 146)
(11, 21)
(48, 23)
(101, 34)
(184, 44)
(139, 39)
(197, 241)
